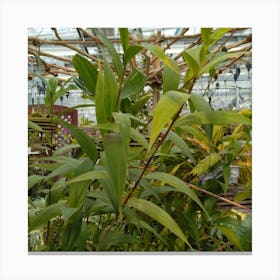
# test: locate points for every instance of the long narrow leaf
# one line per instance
(180, 143)
(34, 126)
(130, 53)
(100, 101)
(78, 190)
(87, 143)
(199, 104)
(134, 84)
(177, 184)
(171, 79)
(157, 213)
(138, 137)
(219, 58)
(110, 90)
(168, 105)
(115, 161)
(87, 72)
(192, 57)
(34, 180)
(158, 52)
(214, 117)
(113, 53)
(204, 165)
(124, 124)
(44, 216)
(124, 34)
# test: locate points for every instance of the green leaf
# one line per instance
(178, 184)
(56, 192)
(192, 57)
(194, 131)
(48, 213)
(199, 104)
(134, 84)
(231, 235)
(111, 238)
(110, 90)
(205, 34)
(214, 117)
(62, 91)
(78, 190)
(124, 34)
(171, 79)
(87, 72)
(169, 104)
(90, 175)
(115, 161)
(217, 59)
(131, 51)
(72, 232)
(158, 214)
(124, 125)
(138, 137)
(34, 126)
(65, 169)
(80, 84)
(82, 238)
(34, 180)
(87, 143)
(159, 53)
(113, 53)
(180, 143)
(203, 165)
(68, 214)
(100, 101)
(245, 233)
(131, 218)
(65, 148)
(217, 35)
(138, 105)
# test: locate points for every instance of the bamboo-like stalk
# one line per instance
(34, 51)
(152, 74)
(37, 41)
(233, 203)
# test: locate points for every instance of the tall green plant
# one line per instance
(136, 187)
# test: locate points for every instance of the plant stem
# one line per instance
(220, 197)
(156, 149)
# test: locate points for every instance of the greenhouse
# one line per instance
(140, 139)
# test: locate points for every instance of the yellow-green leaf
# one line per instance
(171, 78)
(192, 57)
(205, 164)
(169, 104)
(159, 53)
(214, 117)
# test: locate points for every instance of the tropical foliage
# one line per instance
(142, 184)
